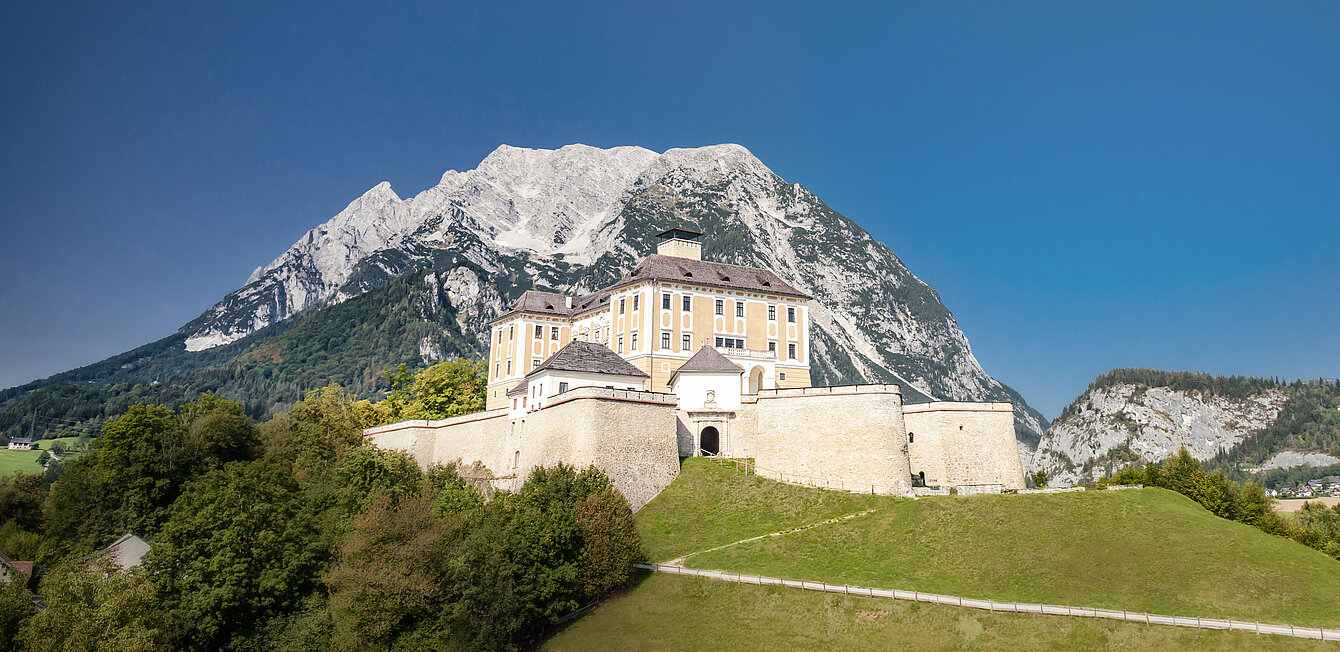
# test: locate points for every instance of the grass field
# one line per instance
(669, 612)
(708, 505)
(1141, 550)
(26, 461)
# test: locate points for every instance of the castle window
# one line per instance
(665, 340)
(620, 344)
(772, 313)
(665, 301)
(509, 367)
(633, 346)
(688, 303)
(685, 343)
(497, 369)
(539, 331)
(562, 387)
(622, 305)
(781, 375)
(772, 347)
(791, 315)
(739, 308)
(553, 332)
(719, 345)
(534, 363)
(910, 437)
(791, 351)
(721, 307)
(635, 298)
(500, 336)
(511, 331)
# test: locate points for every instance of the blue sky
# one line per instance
(1088, 185)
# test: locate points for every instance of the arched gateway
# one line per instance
(710, 441)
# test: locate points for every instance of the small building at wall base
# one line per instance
(698, 358)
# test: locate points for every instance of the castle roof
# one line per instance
(707, 359)
(659, 268)
(540, 302)
(704, 272)
(680, 233)
(588, 357)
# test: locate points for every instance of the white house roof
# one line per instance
(126, 552)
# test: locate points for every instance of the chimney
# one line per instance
(568, 300)
(680, 242)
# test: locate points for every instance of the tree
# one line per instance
(610, 544)
(91, 606)
(237, 547)
(16, 606)
(1180, 473)
(391, 583)
(21, 498)
(444, 390)
(1040, 479)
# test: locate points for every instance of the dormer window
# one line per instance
(725, 278)
(688, 274)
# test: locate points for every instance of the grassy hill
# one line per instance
(672, 612)
(1141, 550)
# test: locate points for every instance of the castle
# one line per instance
(685, 357)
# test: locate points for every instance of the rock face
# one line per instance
(1149, 423)
(577, 218)
(1290, 459)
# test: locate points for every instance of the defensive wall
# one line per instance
(963, 444)
(850, 435)
(623, 433)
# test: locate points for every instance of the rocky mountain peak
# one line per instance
(578, 217)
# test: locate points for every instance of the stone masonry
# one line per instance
(963, 444)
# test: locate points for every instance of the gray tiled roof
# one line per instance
(707, 359)
(520, 389)
(661, 268)
(544, 303)
(703, 272)
(591, 358)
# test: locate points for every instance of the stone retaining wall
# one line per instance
(964, 444)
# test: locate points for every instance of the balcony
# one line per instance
(746, 354)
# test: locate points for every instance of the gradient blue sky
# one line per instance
(1088, 185)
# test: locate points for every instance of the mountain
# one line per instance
(571, 220)
(1237, 423)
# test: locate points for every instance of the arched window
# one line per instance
(910, 436)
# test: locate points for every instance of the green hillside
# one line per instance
(1140, 550)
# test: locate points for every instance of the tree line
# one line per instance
(296, 534)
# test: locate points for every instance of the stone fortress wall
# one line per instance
(850, 437)
(623, 433)
(958, 444)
